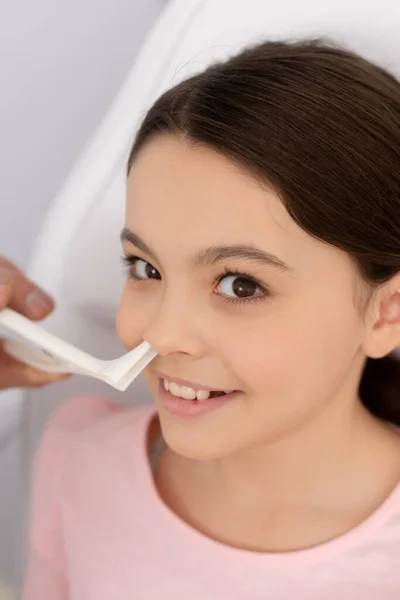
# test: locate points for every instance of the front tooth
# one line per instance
(174, 389)
(188, 393)
(183, 391)
(202, 395)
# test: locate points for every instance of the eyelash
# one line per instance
(129, 262)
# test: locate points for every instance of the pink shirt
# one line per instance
(101, 532)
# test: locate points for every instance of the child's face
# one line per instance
(292, 353)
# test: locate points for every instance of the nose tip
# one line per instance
(166, 339)
(173, 346)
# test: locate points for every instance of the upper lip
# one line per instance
(191, 384)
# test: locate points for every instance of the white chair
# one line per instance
(77, 255)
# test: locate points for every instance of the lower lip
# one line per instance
(192, 408)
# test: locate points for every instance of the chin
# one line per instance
(195, 441)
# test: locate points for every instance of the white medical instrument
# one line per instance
(54, 355)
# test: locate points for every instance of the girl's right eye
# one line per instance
(139, 269)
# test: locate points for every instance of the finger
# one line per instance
(16, 374)
(29, 378)
(25, 297)
(33, 378)
(6, 279)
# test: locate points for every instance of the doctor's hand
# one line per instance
(17, 292)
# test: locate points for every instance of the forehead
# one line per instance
(183, 184)
(190, 196)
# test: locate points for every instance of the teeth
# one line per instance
(188, 393)
(185, 392)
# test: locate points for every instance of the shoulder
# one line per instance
(82, 413)
(86, 421)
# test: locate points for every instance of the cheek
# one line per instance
(267, 363)
(286, 356)
(129, 319)
(292, 367)
(259, 353)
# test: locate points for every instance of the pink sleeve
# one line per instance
(46, 577)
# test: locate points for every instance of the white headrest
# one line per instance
(78, 254)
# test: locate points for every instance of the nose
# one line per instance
(174, 329)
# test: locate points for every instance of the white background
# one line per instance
(61, 64)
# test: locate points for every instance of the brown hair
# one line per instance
(322, 126)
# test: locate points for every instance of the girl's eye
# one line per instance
(139, 269)
(239, 287)
(244, 287)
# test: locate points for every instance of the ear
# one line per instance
(382, 333)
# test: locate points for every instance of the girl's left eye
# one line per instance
(241, 284)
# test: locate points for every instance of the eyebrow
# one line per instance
(210, 256)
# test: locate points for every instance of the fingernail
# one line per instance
(6, 277)
(39, 300)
